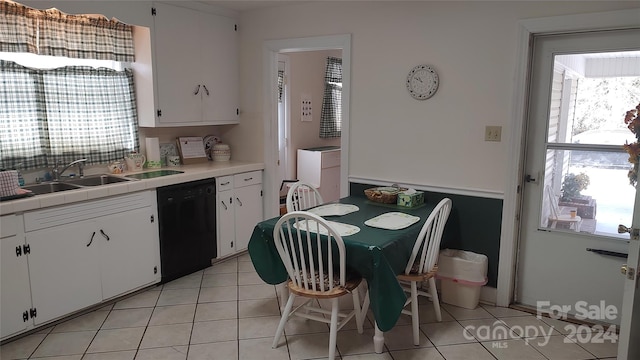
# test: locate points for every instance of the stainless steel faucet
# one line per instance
(56, 173)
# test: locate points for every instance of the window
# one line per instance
(586, 165)
(331, 115)
(79, 103)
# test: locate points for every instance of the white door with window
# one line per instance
(577, 191)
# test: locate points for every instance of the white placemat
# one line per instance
(334, 209)
(392, 221)
(340, 228)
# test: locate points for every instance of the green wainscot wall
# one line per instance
(474, 225)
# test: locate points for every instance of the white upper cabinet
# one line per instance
(196, 61)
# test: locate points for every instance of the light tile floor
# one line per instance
(227, 312)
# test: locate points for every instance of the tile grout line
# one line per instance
(193, 320)
(148, 322)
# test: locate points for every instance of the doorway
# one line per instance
(577, 190)
(301, 107)
(271, 50)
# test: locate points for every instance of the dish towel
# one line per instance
(9, 183)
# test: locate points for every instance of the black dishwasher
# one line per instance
(187, 222)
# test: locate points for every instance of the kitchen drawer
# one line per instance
(224, 183)
(8, 226)
(67, 214)
(246, 179)
(330, 159)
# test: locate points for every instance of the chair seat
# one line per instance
(352, 282)
(566, 218)
(419, 277)
(574, 222)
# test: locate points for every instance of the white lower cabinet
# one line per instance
(79, 255)
(130, 258)
(65, 276)
(239, 209)
(15, 295)
(321, 168)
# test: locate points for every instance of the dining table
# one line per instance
(378, 252)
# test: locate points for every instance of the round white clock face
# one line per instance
(422, 82)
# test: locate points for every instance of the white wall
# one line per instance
(439, 141)
(307, 77)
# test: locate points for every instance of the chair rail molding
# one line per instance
(490, 194)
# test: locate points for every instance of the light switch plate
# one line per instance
(492, 133)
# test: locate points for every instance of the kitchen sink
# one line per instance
(75, 183)
(153, 174)
(96, 180)
(49, 188)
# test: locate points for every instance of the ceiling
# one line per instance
(246, 5)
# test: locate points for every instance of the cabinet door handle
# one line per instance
(239, 202)
(225, 183)
(18, 250)
(105, 235)
(225, 205)
(91, 240)
(205, 89)
(248, 179)
(197, 90)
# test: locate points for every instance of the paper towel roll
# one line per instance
(153, 149)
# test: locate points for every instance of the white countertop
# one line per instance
(191, 173)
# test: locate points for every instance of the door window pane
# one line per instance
(592, 183)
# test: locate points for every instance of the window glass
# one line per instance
(55, 112)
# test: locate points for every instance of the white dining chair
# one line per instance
(302, 196)
(422, 265)
(556, 216)
(316, 266)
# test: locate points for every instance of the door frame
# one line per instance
(527, 28)
(270, 51)
(285, 124)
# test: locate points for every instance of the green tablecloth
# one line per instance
(377, 254)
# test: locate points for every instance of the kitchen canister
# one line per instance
(221, 152)
(153, 159)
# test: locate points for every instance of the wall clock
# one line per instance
(422, 82)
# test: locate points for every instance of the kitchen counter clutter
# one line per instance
(189, 173)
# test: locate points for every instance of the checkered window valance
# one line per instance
(331, 114)
(280, 85)
(52, 32)
(64, 114)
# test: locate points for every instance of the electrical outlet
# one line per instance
(492, 133)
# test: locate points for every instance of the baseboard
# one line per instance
(488, 295)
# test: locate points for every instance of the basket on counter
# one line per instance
(385, 194)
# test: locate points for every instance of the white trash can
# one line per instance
(462, 274)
